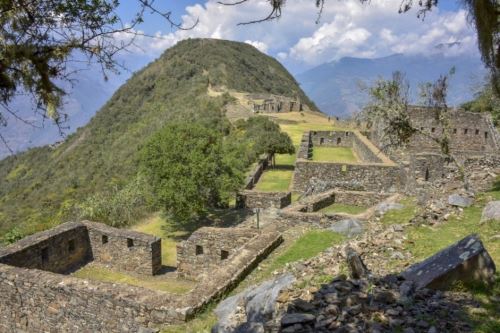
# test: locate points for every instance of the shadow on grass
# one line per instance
(281, 167)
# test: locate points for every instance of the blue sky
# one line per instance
(347, 29)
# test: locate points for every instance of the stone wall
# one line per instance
(254, 175)
(332, 138)
(124, 250)
(257, 199)
(365, 150)
(305, 146)
(34, 300)
(469, 132)
(208, 249)
(58, 250)
(354, 177)
(428, 166)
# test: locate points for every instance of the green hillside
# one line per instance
(39, 188)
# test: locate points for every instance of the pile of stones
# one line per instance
(389, 304)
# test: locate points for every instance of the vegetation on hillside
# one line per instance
(43, 186)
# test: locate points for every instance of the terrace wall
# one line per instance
(256, 199)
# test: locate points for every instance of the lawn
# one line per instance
(158, 226)
(343, 208)
(275, 180)
(334, 154)
(168, 284)
(401, 216)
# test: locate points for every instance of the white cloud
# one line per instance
(262, 47)
(347, 28)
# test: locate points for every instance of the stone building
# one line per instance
(264, 103)
(372, 172)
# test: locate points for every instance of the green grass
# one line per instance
(334, 154)
(275, 180)
(401, 216)
(307, 246)
(158, 226)
(424, 241)
(343, 208)
(99, 273)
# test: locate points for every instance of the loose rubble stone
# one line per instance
(296, 318)
(385, 207)
(491, 212)
(466, 260)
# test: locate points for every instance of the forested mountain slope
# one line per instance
(39, 188)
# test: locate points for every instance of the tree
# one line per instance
(485, 101)
(267, 137)
(40, 38)
(187, 170)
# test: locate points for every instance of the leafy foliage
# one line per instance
(187, 170)
(41, 187)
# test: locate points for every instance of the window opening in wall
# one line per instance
(224, 254)
(477, 132)
(321, 141)
(427, 174)
(421, 129)
(130, 242)
(104, 239)
(339, 141)
(45, 255)
(433, 130)
(466, 130)
(71, 246)
(454, 131)
(199, 250)
(486, 135)
(346, 133)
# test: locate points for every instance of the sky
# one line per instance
(347, 28)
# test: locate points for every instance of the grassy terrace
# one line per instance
(295, 124)
(343, 208)
(334, 154)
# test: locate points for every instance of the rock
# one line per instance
(384, 207)
(257, 303)
(460, 200)
(466, 260)
(356, 265)
(398, 256)
(348, 227)
(491, 212)
(296, 318)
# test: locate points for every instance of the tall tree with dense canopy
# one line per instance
(188, 172)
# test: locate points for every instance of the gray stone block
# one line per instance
(491, 212)
(467, 260)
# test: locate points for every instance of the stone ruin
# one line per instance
(373, 172)
(39, 295)
(265, 103)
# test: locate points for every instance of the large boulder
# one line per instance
(347, 227)
(458, 200)
(250, 309)
(491, 212)
(467, 260)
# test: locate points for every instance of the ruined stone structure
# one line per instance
(373, 172)
(257, 199)
(264, 103)
(37, 296)
(470, 133)
(250, 198)
(208, 249)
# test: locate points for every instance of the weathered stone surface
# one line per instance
(257, 199)
(491, 212)
(467, 260)
(348, 227)
(296, 318)
(256, 304)
(356, 265)
(388, 206)
(460, 200)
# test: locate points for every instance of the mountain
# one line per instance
(39, 187)
(336, 87)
